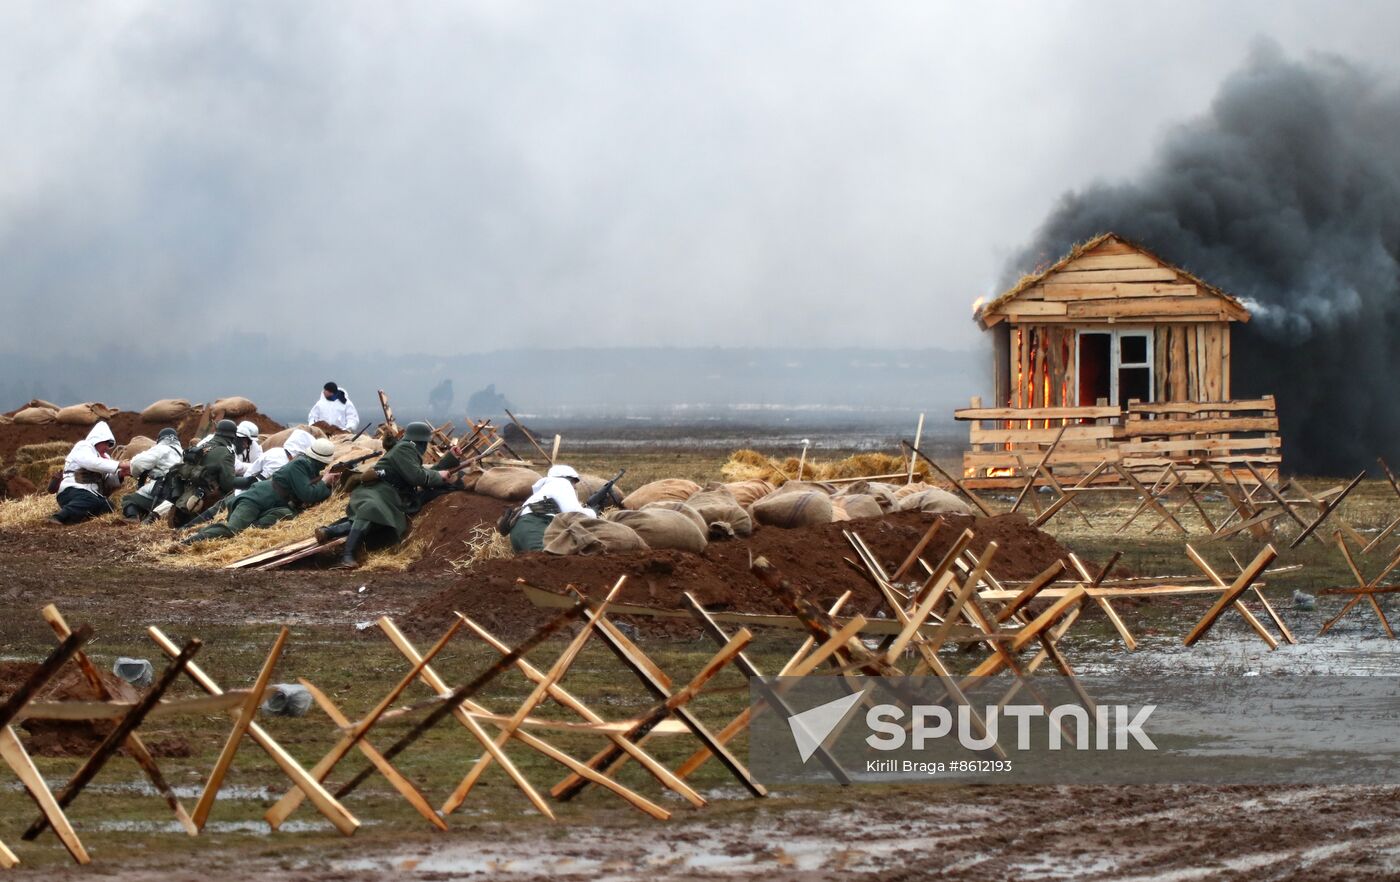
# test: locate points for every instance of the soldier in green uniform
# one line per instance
(295, 486)
(208, 471)
(389, 493)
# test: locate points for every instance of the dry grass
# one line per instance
(46, 450)
(484, 543)
(164, 549)
(27, 511)
(750, 465)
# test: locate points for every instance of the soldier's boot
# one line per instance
(333, 531)
(133, 513)
(347, 552)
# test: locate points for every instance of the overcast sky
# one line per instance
(511, 173)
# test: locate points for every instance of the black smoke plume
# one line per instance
(1286, 194)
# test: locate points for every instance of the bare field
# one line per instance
(97, 574)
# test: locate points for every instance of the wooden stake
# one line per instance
(456, 697)
(116, 738)
(918, 439)
(655, 768)
(19, 761)
(135, 747)
(1231, 594)
(1030, 481)
(242, 721)
(400, 783)
(528, 437)
(289, 802)
(333, 811)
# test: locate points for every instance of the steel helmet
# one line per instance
(168, 434)
(248, 429)
(226, 429)
(562, 471)
(321, 450)
(419, 432)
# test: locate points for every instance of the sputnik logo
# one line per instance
(813, 726)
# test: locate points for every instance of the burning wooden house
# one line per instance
(1129, 355)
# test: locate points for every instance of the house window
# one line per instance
(1115, 366)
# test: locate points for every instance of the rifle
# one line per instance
(604, 497)
(362, 430)
(474, 458)
(346, 465)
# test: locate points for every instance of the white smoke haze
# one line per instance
(343, 177)
(1287, 194)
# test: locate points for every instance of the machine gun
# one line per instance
(604, 497)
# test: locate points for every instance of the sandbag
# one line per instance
(860, 505)
(663, 528)
(883, 494)
(803, 487)
(590, 484)
(722, 513)
(903, 491)
(36, 416)
(672, 505)
(511, 483)
(574, 532)
(139, 444)
(84, 414)
(235, 407)
(39, 402)
(935, 501)
(277, 439)
(6, 419)
(787, 510)
(167, 410)
(667, 489)
(838, 511)
(745, 493)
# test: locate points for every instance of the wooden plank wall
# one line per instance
(1039, 353)
(1192, 361)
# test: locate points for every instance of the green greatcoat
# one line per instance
(290, 489)
(389, 501)
(216, 466)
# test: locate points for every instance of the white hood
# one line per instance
(99, 433)
(298, 442)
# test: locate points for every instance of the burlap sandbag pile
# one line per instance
(167, 410)
(576, 533)
(139, 444)
(234, 407)
(665, 490)
(934, 500)
(277, 439)
(36, 416)
(511, 483)
(883, 494)
(662, 528)
(746, 493)
(858, 505)
(86, 414)
(724, 517)
(690, 513)
(803, 508)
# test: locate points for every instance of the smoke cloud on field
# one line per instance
(511, 173)
(1285, 193)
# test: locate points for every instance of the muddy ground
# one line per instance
(868, 831)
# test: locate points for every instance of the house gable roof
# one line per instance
(1107, 279)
